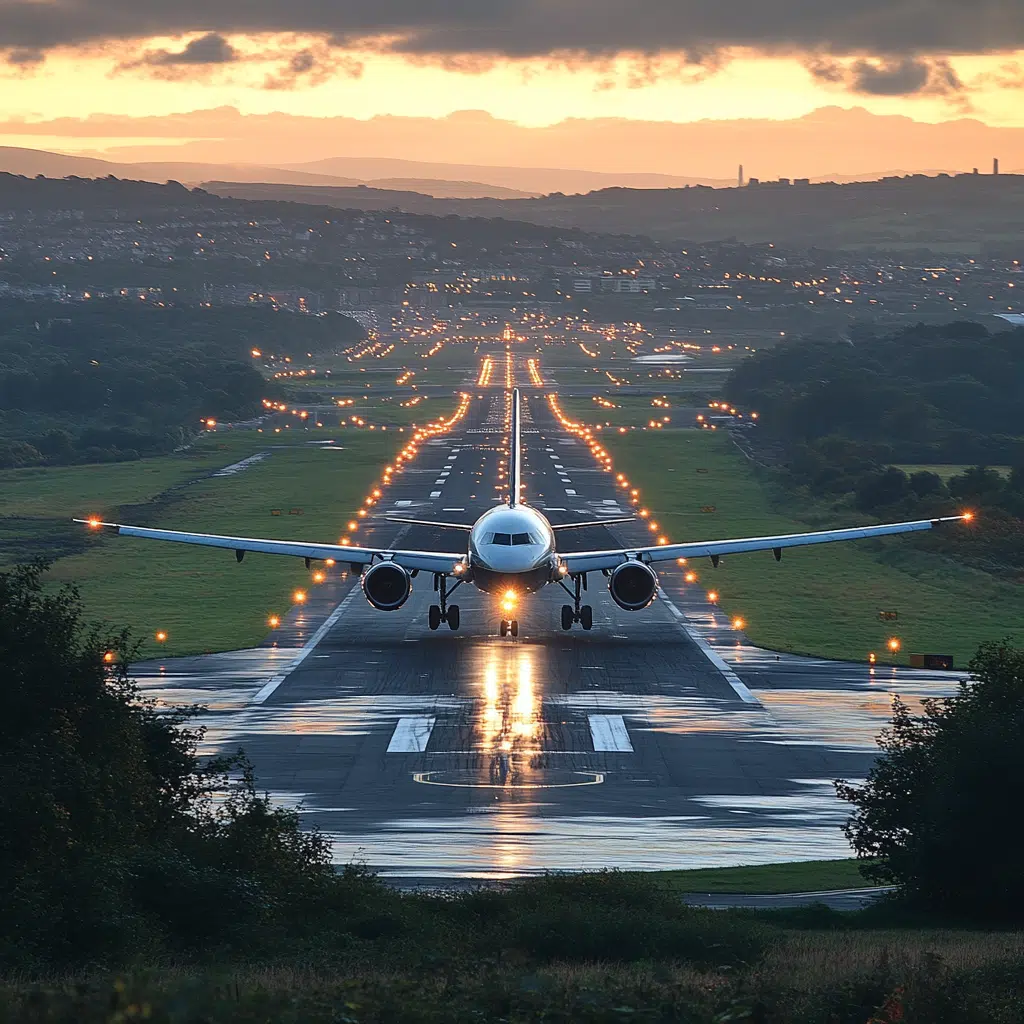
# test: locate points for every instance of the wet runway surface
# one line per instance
(660, 739)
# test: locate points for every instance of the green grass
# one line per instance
(799, 876)
(202, 598)
(823, 601)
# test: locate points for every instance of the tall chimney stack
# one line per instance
(741, 182)
(995, 166)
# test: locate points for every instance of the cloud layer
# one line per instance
(543, 28)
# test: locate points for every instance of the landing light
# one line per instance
(161, 636)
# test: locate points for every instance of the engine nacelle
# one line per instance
(387, 586)
(633, 585)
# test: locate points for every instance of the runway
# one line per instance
(660, 739)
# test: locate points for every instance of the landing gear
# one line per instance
(444, 612)
(509, 626)
(575, 612)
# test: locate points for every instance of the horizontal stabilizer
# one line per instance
(593, 522)
(431, 522)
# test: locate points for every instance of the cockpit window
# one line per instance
(501, 538)
(523, 538)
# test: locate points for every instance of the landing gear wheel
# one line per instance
(513, 627)
(453, 616)
(504, 627)
(434, 616)
(587, 617)
(567, 616)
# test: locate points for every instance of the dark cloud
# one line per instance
(207, 50)
(308, 68)
(904, 76)
(24, 58)
(542, 28)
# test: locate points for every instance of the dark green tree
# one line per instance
(116, 837)
(936, 815)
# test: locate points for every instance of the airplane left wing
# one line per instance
(590, 561)
(428, 561)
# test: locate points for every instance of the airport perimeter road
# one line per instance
(660, 739)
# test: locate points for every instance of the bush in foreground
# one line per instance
(937, 814)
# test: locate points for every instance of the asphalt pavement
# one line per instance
(660, 739)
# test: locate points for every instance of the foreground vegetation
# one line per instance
(822, 601)
(795, 876)
(138, 881)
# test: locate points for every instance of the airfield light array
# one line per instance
(586, 434)
(401, 460)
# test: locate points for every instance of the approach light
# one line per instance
(94, 523)
(738, 623)
(712, 596)
(161, 636)
(872, 658)
(319, 576)
(274, 621)
(109, 657)
(299, 596)
(690, 577)
(967, 516)
(894, 644)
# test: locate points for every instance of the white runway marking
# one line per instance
(609, 733)
(304, 652)
(403, 503)
(435, 494)
(711, 654)
(568, 491)
(411, 735)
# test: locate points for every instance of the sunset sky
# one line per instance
(536, 62)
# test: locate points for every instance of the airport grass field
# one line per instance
(201, 598)
(822, 601)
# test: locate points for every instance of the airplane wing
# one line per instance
(589, 561)
(428, 561)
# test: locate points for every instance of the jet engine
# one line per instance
(387, 586)
(633, 585)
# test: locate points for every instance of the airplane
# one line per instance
(511, 551)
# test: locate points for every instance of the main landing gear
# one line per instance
(444, 612)
(575, 612)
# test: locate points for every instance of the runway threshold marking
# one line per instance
(609, 733)
(711, 654)
(304, 652)
(411, 735)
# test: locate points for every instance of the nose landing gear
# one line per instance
(444, 612)
(575, 612)
(509, 626)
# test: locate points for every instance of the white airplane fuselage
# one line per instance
(512, 547)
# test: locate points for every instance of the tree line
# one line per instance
(116, 380)
(838, 421)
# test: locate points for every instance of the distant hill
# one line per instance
(945, 214)
(32, 162)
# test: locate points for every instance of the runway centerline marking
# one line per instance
(609, 733)
(411, 735)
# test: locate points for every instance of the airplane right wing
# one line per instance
(590, 561)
